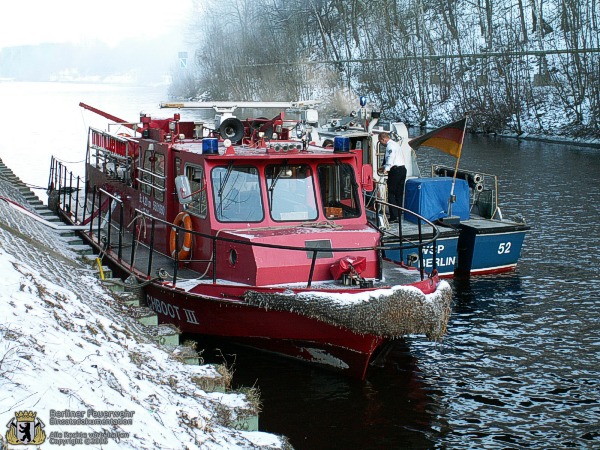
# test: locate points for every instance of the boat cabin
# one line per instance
(252, 196)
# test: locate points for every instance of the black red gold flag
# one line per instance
(448, 138)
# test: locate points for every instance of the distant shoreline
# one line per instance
(593, 143)
(582, 142)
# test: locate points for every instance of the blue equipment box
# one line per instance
(429, 197)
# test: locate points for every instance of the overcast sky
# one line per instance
(26, 22)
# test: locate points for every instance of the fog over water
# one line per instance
(32, 22)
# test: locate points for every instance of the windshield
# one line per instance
(339, 191)
(195, 175)
(291, 192)
(236, 193)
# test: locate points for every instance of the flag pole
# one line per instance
(452, 198)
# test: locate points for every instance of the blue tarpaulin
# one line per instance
(429, 197)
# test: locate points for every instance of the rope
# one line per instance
(33, 186)
(321, 224)
(69, 162)
(137, 216)
(130, 285)
(162, 274)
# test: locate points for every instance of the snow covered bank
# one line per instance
(85, 370)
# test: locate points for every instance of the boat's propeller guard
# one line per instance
(182, 219)
(349, 269)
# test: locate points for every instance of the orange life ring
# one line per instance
(181, 254)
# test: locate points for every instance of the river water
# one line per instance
(519, 365)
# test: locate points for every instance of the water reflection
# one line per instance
(467, 291)
(317, 409)
(519, 364)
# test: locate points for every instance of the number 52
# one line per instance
(504, 247)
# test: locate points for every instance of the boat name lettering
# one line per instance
(440, 262)
(164, 308)
(145, 201)
(158, 207)
(428, 249)
(504, 248)
(170, 310)
(190, 316)
(148, 204)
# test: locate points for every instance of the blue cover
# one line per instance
(429, 198)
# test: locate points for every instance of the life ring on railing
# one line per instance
(184, 219)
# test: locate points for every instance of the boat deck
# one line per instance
(410, 231)
(487, 226)
(482, 226)
(159, 265)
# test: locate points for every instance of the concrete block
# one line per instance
(114, 284)
(246, 424)
(145, 316)
(82, 249)
(166, 334)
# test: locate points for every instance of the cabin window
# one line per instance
(291, 192)
(196, 176)
(236, 193)
(146, 172)
(159, 177)
(339, 191)
(178, 167)
(152, 175)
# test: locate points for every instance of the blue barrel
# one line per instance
(341, 144)
(210, 146)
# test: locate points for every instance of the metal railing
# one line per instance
(483, 189)
(404, 243)
(99, 212)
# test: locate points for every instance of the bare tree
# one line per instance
(423, 61)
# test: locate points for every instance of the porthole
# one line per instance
(232, 257)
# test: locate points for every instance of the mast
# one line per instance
(108, 116)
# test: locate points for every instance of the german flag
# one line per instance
(448, 138)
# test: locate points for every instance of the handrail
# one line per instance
(478, 182)
(420, 244)
(155, 186)
(274, 246)
(153, 174)
(155, 179)
(121, 218)
(105, 192)
(97, 202)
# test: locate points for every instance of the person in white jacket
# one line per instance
(395, 169)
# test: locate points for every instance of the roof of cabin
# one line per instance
(313, 152)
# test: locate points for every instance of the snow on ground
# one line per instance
(66, 350)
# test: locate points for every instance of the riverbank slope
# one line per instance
(69, 350)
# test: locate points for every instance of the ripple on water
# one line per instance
(520, 365)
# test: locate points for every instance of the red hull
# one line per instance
(285, 333)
